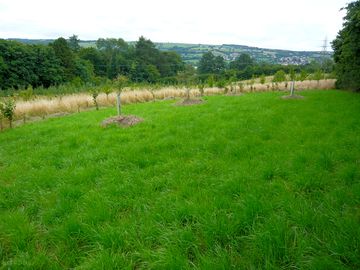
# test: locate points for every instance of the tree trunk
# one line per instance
(292, 88)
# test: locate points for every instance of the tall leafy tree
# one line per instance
(66, 57)
(74, 43)
(169, 64)
(219, 64)
(18, 64)
(3, 68)
(241, 62)
(48, 67)
(211, 64)
(115, 54)
(96, 58)
(146, 52)
(347, 49)
(206, 63)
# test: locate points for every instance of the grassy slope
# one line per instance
(239, 182)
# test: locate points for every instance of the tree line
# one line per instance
(64, 61)
(347, 49)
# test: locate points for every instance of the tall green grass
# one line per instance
(239, 182)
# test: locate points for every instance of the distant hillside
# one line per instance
(191, 53)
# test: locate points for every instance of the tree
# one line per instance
(211, 64)
(169, 64)
(84, 70)
(219, 64)
(187, 78)
(66, 57)
(74, 43)
(303, 75)
(243, 61)
(96, 58)
(7, 109)
(346, 48)
(201, 87)
(292, 74)
(48, 67)
(3, 68)
(280, 76)
(95, 94)
(262, 79)
(211, 81)
(206, 63)
(18, 67)
(113, 57)
(120, 82)
(318, 75)
(146, 52)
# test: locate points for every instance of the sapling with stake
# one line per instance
(292, 78)
(1, 116)
(120, 82)
(95, 94)
(107, 90)
(8, 110)
(186, 78)
(201, 87)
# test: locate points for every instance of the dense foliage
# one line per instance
(244, 67)
(65, 61)
(347, 49)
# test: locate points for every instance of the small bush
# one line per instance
(7, 109)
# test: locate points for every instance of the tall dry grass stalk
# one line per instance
(285, 86)
(43, 107)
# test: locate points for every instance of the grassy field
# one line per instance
(41, 107)
(239, 182)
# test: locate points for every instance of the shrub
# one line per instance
(8, 109)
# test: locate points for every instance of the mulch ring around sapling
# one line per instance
(122, 121)
(235, 94)
(189, 102)
(292, 97)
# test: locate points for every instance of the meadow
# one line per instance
(238, 182)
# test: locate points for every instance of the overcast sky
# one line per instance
(281, 24)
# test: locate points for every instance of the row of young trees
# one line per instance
(64, 61)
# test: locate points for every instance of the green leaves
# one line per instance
(7, 109)
(346, 49)
(279, 76)
(121, 82)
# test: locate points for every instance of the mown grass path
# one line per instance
(239, 182)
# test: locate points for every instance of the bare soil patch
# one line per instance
(189, 102)
(235, 94)
(292, 97)
(122, 121)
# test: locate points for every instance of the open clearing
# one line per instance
(238, 182)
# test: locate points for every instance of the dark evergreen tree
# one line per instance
(66, 57)
(74, 43)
